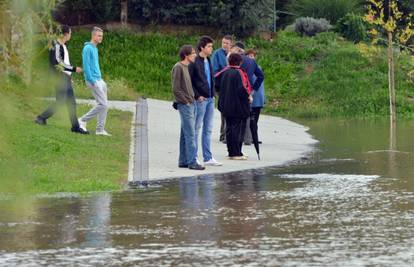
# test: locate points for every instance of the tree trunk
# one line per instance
(124, 12)
(391, 79)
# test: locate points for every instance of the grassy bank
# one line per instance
(39, 159)
(307, 77)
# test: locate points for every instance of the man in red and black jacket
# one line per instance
(62, 70)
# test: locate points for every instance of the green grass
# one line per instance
(305, 76)
(39, 159)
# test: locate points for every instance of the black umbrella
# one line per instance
(253, 130)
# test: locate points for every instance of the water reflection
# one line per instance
(353, 205)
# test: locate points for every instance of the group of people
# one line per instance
(233, 74)
(62, 70)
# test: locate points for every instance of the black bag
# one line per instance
(175, 105)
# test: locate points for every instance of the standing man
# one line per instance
(219, 63)
(184, 97)
(61, 68)
(201, 73)
(93, 78)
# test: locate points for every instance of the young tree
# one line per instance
(389, 19)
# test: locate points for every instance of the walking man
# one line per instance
(93, 78)
(184, 97)
(202, 79)
(219, 63)
(62, 70)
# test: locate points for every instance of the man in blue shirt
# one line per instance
(201, 73)
(220, 62)
(93, 78)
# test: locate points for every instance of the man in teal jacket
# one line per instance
(93, 78)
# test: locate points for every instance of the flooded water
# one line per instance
(350, 204)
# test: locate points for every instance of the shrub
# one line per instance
(310, 26)
(352, 27)
(332, 10)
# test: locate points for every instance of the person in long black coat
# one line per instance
(234, 104)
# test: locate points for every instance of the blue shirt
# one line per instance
(207, 72)
(90, 62)
(219, 60)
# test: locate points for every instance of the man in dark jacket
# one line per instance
(234, 104)
(62, 70)
(201, 73)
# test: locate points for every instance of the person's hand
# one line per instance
(250, 99)
(78, 69)
(201, 99)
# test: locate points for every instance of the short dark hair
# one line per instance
(64, 29)
(239, 44)
(235, 59)
(185, 50)
(251, 52)
(228, 37)
(204, 40)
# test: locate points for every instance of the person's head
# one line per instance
(65, 33)
(235, 50)
(227, 42)
(239, 44)
(235, 59)
(205, 46)
(97, 35)
(187, 53)
(251, 53)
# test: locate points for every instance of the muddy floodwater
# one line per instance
(350, 203)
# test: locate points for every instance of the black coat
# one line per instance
(198, 78)
(234, 99)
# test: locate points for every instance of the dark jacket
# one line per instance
(253, 71)
(56, 56)
(234, 99)
(198, 78)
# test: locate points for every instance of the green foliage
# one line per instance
(332, 10)
(352, 27)
(310, 26)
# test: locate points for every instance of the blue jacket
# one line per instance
(250, 67)
(90, 61)
(259, 98)
(219, 60)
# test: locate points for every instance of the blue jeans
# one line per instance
(187, 135)
(204, 118)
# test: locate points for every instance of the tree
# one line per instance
(388, 18)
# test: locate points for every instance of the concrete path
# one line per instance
(283, 141)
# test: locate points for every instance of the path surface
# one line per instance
(283, 141)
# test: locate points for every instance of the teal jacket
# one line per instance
(90, 62)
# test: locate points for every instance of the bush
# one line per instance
(310, 26)
(352, 27)
(332, 10)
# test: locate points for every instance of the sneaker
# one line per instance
(104, 133)
(79, 130)
(82, 125)
(238, 158)
(40, 121)
(198, 162)
(212, 162)
(197, 167)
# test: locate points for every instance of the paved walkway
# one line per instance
(283, 141)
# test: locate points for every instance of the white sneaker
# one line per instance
(104, 133)
(199, 162)
(212, 162)
(82, 125)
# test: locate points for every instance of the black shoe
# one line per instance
(260, 142)
(79, 131)
(182, 166)
(196, 167)
(40, 121)
(247, 144)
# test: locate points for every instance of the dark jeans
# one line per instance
(235, 128)
(223, 128)
(64, 94)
